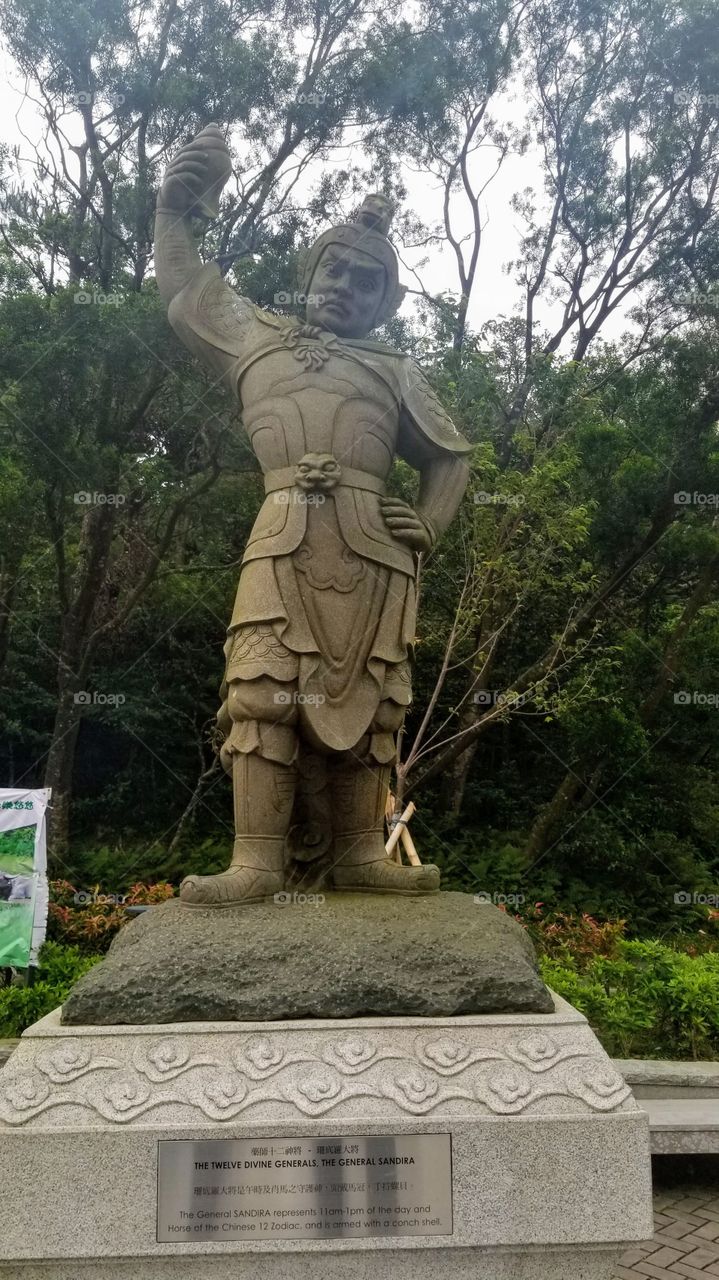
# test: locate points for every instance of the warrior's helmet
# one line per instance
(368, 232)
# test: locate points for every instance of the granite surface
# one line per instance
(540, 1263)
(550, 1153)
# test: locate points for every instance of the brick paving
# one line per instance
(686, 1240)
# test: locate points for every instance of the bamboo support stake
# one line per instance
(408, 843)
(396, 853)
(399, 827)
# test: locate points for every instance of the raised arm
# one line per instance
(191, 185)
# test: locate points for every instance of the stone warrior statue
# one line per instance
(317, 649)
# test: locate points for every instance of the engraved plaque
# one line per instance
(304, 1188)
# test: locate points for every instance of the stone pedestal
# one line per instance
(550, 1153)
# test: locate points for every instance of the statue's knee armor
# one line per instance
(388, 717)
(263, 717)
(378, 745)
(263, 699)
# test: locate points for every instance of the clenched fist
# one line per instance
(194, 179)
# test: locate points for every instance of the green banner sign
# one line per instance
(23, 880)
(17, 855)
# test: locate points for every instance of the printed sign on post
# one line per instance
(23, 875)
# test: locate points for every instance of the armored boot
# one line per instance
(361, 864)
(263, 791)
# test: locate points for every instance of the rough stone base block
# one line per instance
(351, 955)
(550, 1154)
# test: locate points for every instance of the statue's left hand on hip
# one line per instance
(405, 525)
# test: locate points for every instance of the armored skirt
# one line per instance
(332, 627)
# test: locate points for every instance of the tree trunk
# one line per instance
(192, 804)
(476, 685)
(549, 817)
(90, 574)
(462, 765)
(58, 775)
(8, 582)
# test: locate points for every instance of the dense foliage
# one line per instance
(644, 999)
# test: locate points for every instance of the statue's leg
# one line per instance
(260, 751)
(360, 783)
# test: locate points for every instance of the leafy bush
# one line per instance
(59, 969)
(643, 999)
(92, 925)
(648, 1000)
(573, 939)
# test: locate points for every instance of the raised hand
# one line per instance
(194, 179)
(405, 525)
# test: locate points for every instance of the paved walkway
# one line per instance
(686, 1240)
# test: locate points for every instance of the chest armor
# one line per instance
(310, 402)
(338, 408)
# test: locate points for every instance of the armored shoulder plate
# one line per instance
(426, 411)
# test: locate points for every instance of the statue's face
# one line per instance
(347, 291)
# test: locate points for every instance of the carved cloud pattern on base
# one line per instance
(249, 1071)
